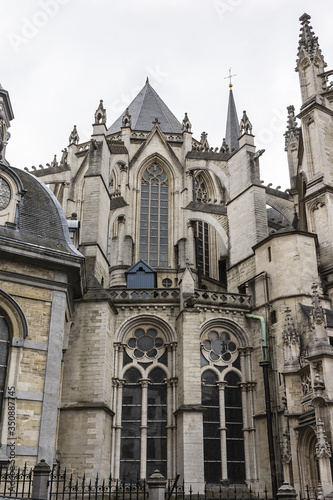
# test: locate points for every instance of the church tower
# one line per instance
(315, 153)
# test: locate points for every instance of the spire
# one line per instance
(308, 42)
(232, 128)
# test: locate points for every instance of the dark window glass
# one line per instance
(234, 424)
(157, 420)
(211, 425)
(131, 426)
(202, 246)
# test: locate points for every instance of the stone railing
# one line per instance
(222, 299)
(202, 297)
(138, 294)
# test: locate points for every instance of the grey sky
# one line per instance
(60, 57)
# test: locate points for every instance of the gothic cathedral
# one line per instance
(161, 308)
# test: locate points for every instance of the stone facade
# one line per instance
(187, 326)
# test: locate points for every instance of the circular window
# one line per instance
(146, 344)
(167, 283)
(218, 347)
(4, 194)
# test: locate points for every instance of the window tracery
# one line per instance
(145, 388)
(154, 215)
(224, 448)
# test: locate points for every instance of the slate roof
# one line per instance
(40, 220)
(144, 109)
(232, 128)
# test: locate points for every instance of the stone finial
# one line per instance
(186, 125)
(100, 114)
(291, 341)
(323, 448)
(126, 120)
(74, 137)
(318, 315)
(292, 128)
(308, 42)
(245, 126)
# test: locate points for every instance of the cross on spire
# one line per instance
(229, 76)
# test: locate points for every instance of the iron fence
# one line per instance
(16, 482)
(64, 486)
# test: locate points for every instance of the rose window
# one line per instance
(219, 347)
(146, 344)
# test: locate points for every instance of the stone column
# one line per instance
(121, 236)
(144, 427)
(118, 428)
(223, 432)
(190, 254)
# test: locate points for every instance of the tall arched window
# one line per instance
(153, 247)
(211, 427)
(4, 348)
(224, 456)
(144, 415)
(201, 232)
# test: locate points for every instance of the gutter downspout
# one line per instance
(265, 365)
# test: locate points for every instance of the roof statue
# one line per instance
(74, 137)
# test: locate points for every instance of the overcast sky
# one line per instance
(60, 57)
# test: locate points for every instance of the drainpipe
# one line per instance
(265, 365)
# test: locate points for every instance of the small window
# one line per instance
(167, 283)
(273, 317)
(269, 254)
(5, 194)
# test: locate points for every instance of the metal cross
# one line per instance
(230, 76)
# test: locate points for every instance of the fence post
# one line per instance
(156, 484)
(40, 481)
(286, 492)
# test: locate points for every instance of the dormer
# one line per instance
(11, 192)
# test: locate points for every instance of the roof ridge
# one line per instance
(144, 90)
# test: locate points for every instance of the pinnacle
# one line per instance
(308, 42)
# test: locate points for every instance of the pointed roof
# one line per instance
(307, 40)
(232, 128)
(144, 109)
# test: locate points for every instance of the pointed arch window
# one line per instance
(153, 247)
(224, 450)
(144, 414)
